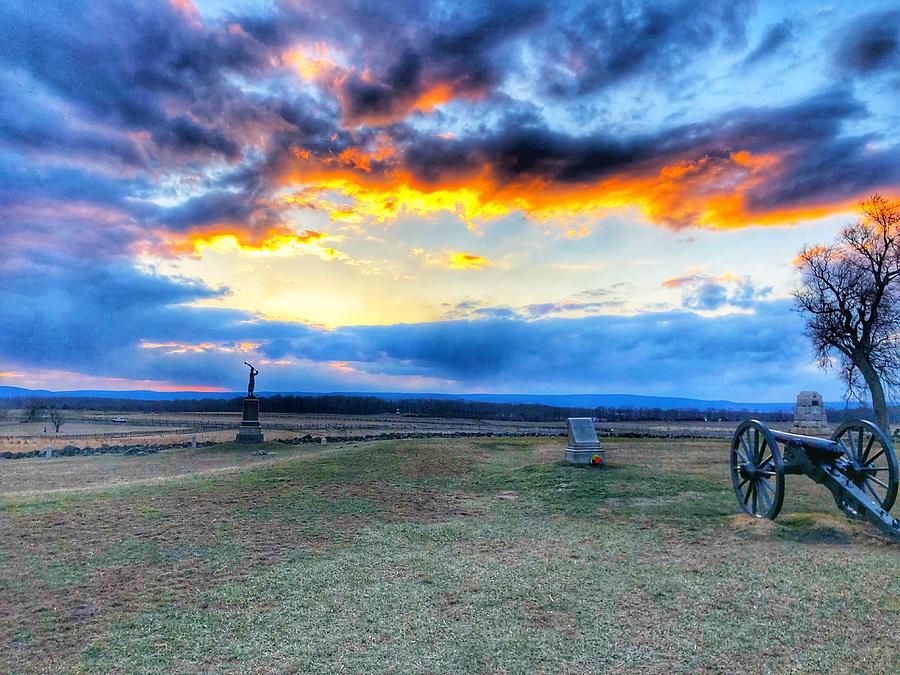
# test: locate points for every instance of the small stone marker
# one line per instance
(809, 416)
(323, 440)
(48, 453)
(584, 446)
(194, 442)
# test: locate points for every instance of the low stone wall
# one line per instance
(400, 435)
(73, 451)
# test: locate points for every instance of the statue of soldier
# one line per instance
(252, 383)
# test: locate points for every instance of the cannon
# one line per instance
(857, 464)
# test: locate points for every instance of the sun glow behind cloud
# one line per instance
(709, 192)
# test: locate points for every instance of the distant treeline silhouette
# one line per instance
(420, 407)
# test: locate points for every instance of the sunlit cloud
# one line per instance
(466, 261)
(270, 244)
(199, 348)
(710, 192)
(707, 293)
(61, 379)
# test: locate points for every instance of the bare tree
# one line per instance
(57, 418)
(850, 296)
(32, 413)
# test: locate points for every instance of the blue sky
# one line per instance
(431, 196)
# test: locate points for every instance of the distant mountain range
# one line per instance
(560, 400)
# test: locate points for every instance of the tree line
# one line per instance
(43, 408)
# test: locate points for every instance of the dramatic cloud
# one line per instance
(164, 166)
(871, 44)
(592, 46)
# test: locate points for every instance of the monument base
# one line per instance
(250, 431)
(585, 457)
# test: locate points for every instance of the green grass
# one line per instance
(450, 556)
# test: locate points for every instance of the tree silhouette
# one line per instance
(850, 296)
(57, 418)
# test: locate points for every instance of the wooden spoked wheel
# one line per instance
(869, 461)
(757, 470)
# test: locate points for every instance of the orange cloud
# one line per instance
(315, 64)
(271, 242)
(57, 380)
(678, 282)
(710, 192)
(466, 261)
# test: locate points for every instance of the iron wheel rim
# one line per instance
(866, 446)
(757, 470)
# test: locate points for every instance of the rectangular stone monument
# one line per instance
(250, 431)
(809, 415)
(584, 446)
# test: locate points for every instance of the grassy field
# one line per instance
(442, 556)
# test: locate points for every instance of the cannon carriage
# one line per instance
(857, 464)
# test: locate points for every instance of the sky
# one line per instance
(466, 196)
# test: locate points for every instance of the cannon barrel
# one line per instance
(806, 441)
(819, 448)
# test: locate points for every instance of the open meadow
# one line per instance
(440, 555)
(91, 428)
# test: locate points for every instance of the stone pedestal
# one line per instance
(584, 446)
(809, 415)
(250, 431)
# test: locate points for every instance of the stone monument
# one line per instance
(250, 431)
(809, 416)
(584, 446)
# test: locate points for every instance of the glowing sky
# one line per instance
(431, 196)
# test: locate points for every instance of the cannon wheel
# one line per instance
(873, 463)
(757, 470)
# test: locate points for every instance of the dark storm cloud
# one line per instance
(775, 39)
(212, 207)
(531, 150)
(126, 64)
(842, 168)
(456, 54)
(594, 45)
(159, 95)
(817, 160)
(870, 44)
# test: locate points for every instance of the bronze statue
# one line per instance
(252, 383)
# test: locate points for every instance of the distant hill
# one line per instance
(560, 400)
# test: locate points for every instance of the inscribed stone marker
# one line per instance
(584, 446)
